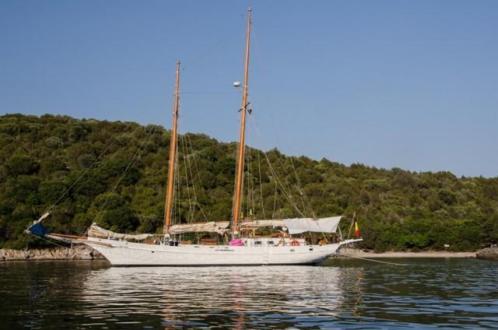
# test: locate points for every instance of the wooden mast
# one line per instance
(172, 154)
(239, 179)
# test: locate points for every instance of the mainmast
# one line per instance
(172, 154)
(239, 179)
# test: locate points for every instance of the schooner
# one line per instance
(241, 249)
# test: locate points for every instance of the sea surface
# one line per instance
(426, 293)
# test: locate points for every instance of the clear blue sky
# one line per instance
(410, 84)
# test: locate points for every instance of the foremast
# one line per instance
(239, 178)
(173, 143)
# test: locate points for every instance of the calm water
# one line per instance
(342, 294)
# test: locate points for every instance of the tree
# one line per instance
(21, 165)
(114, 173)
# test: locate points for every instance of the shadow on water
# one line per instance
(342, 293)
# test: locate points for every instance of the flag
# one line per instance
(357, 233)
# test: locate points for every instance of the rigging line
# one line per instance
(177, 207)
(303, 195)
(245, 186)
(189, 195)
(249, 180)
(253, 187)
(178, 169)
(201, 209)
(111, 142)
(136, 156)
(51, 242)
(277, 179)
(274, 201)
(285, 193)
(289, 185)
(247, 170)
(251, 166)
(189, 179)
(284, 190)
(206, 48)
(298, 188)
(243, 206)
(340, 233)
(303, 202)
(261, 186)
(352, 224)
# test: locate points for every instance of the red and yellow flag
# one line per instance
(357, 232)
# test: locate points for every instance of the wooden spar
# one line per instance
(239, 179)
(168, 206)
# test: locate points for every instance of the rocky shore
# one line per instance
(78, 252)
(357, 253)
(490, 253)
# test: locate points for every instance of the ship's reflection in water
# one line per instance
(232, 297)
(342, 294)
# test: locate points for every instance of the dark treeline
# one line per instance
(114, 173)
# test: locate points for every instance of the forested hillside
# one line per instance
(114, 173)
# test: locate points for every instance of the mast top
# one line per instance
(168, 205)
(239, 169)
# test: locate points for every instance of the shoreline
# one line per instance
(77, 252)
(82, 252)
(357, 253)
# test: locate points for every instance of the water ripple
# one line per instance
(356, 295)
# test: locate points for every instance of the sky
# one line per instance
(408, 84)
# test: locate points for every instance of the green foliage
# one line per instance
(21, 164)
(114, 173)
(111, 210)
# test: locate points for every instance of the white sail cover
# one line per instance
(302, 225)
(261, 223)
(99, 232)
(219, 227)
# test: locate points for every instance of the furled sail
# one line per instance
(99, 232)
(294, 226)
(302, 225)
(219, 227)
(252, 224)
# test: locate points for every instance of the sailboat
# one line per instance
(242, 249)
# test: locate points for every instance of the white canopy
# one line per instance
(302, 225)
(200, 227)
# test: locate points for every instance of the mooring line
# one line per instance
(373, 260)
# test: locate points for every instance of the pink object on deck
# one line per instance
(236, 242)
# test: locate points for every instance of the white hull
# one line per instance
(123, 253)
